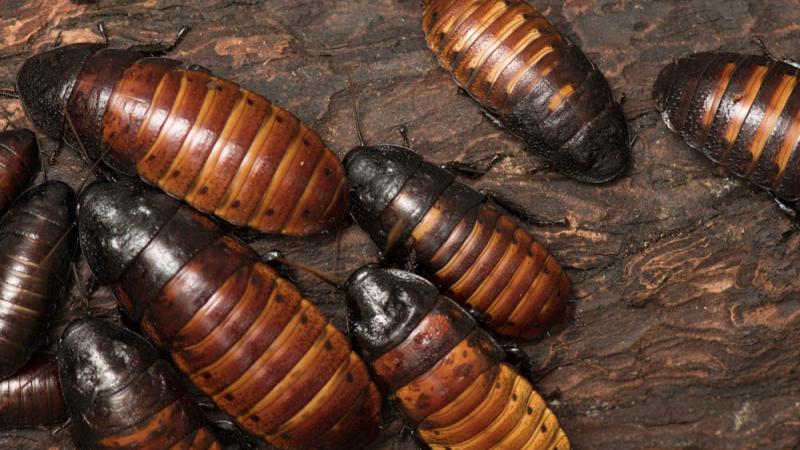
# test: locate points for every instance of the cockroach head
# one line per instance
(385, 305)
(377, 173)
(97, 356)
(45, 82)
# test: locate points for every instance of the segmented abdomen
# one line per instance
(459, 393)
(476, 254)
(224, 150)
(538, 84)
(32, 397)
(248, 339)
(495, 267)
(740, 111)
(19, 160)
(37, 242)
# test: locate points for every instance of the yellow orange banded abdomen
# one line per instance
(223, 149)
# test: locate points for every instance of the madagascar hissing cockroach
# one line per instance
(32, 396)
(19, 161)
(418, 212)
(244, 335)
(446, 374)
(121, 395)
(532, 80)
(222, 148)
(37, 243)
(741, 111)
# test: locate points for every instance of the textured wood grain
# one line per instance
(685, 307)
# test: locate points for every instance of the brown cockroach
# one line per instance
(447, 376)
(37, 244)
(32, 396)
(121, 394)
(741, 111)
(533, 81)
(244, 335)
(19, 161)
(220, 147)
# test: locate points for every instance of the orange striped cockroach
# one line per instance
(446, 375)
(244, 335)
(741, 111)
(220, 147)
(417, 212)
(121, 394)
(532, 80)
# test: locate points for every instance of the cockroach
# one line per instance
(37, 243)
(244, 335)
(32, 397)
(741, 111)
(532, 80)
(120, 394)
(417, 212)
(19, 161)
(447, 376)
(220, 147)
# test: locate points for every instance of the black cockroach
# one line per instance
(37, 243)
(222, 148)
(19, 161)
(447, 376)
(244, 335)
(32, 396)
(121, 395)
(534, 81)
(741, 111)
(417, 212)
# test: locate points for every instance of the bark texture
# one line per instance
(684, 332)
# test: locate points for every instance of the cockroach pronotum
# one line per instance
(534, 81)
(37, 243)
(222, 148)
(19, 160)
(244, 335)
(32, 396)
(120, 394)
(479, 256)
(447, 375)
(741, 111)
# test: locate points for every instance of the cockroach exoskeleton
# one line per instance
(741, 111)
(222, 148)
(120, 394)
(245, 336)
(416, 211)
(19, 161)
(533, 81)
(37, 244)
(32, 396)
(447, 376)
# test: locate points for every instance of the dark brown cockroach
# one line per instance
(245, 336)
(19, 161)
(37, 243)
(741, 111)
(532, 80)
(446, 374)
(478, 255)
(222, 148)
(120, 394)
(32, 396)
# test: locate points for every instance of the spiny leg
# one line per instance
(520, 211)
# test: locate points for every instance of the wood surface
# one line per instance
(685, 325)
